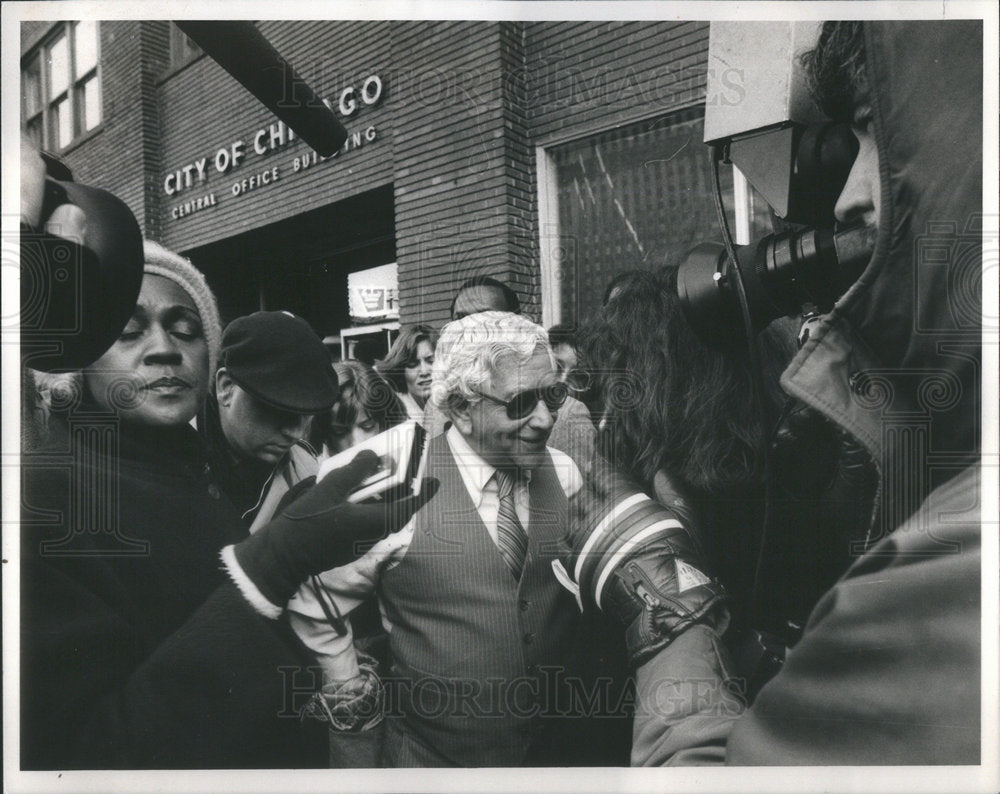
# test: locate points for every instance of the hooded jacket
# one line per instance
(888, 668)
(897, 362)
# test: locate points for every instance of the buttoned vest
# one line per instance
(474, 650)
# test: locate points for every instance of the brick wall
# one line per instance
(32, 33)
(519, 162)
(463, 176)
(464, 105)
(490, 93)
(589, 76)
(204, 110)
(121, 154)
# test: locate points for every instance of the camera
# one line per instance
(782, 273)
(799, 162)
(78, 287)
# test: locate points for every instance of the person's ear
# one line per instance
(460, 411)
(225, 386)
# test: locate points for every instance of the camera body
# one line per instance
(782, 273)
(798, 161)
(78, 286)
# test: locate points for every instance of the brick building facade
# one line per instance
(533, 152)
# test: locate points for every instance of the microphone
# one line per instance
(243, 51)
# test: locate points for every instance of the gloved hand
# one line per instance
(635, 560)
(317, 532)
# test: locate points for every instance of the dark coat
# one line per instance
(135, 651)
(242, 480)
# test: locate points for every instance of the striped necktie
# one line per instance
(511, 537)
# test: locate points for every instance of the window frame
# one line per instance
(72, 96)
(550, 243)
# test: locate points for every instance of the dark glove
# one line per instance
(319, 530)
(634, 559)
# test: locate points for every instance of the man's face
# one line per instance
(860, 201)
(501, 440)
(253, 429)
(478, 299)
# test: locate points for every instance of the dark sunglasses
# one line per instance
(523, 403)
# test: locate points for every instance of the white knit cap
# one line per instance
(161, 262)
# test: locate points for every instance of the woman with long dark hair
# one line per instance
(408, 367)
(679, 418)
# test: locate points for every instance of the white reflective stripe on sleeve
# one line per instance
(613, 515)
(611, 561)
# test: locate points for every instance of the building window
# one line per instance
(639, 196)
(182, 48)
(61, 97)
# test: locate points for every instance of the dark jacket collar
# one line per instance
(175, 450)
(241, 479)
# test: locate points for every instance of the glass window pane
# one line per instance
(52, 130)
(91, 104)
(640, 196)
(58, 67)
(64, 123)
(85, 42)
(32, 77)
(752, 214)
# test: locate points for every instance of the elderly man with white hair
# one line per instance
(479, 620)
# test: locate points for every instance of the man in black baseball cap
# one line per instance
(275, 376)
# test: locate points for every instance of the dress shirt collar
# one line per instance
(476, 472)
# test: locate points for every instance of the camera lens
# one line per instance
(781, 274)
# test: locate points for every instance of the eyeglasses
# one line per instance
(523, 403)
(578, 380)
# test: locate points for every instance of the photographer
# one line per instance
(888, 668)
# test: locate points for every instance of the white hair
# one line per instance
(473, 349)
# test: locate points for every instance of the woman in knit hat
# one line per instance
(135, 652)
(158, 370)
